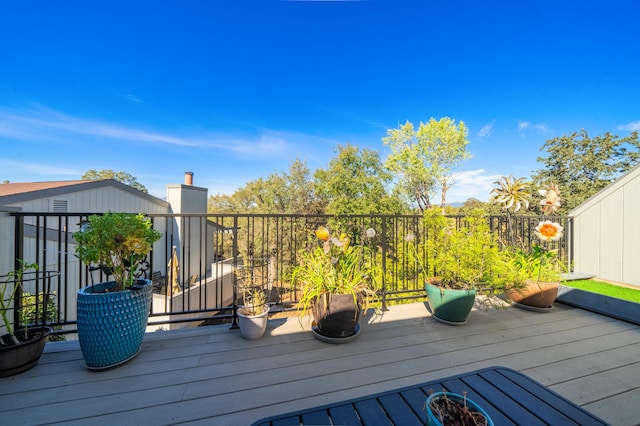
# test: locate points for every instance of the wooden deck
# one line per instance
(211, 376)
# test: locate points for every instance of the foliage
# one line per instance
(583, 165)
(28, 312)
(424, 159)
(122, 177)
(117, 241)
(466, 255)
(335, 267)
(289, 193)
(355, 182)
(539, 264)
(8, 290)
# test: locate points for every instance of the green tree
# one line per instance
(424, 159)
(281, 192)
(123, 177)
(582, 166)
(355, 182)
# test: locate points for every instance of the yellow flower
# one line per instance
(322, 233)
(548, 231)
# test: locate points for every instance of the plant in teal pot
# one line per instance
(112, 315)
(462, 260)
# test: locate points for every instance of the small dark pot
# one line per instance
(338, 317)
(15, 359)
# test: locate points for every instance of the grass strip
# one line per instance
(607, 289)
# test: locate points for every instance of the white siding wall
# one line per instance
(188, 199)
(631, 237)
(607, 232)
(96, 200)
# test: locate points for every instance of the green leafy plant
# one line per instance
(465, 255)
(336, 267)
(31, 315)
(8, 291)
(117, 242)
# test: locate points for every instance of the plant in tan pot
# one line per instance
(539, 269)
(336, 279)
(112, 315)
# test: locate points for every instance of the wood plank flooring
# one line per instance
(211, 376)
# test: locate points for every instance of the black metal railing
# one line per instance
(214, 251)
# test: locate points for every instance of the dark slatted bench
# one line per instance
(509, 397)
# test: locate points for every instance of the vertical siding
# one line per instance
(607, 232)
(631, 237)
(587, 235)
(611, 229)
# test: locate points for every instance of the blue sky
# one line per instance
(234, 90)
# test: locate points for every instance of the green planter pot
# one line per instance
(111, 325)
(450, 306)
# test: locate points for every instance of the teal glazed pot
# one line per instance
(432, 418)
(111, 325)
(450, 306)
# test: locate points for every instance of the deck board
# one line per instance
(210, 375)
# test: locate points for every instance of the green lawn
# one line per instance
(606, 289)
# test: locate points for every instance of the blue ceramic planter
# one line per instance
(111, 325)
(450, 306)
(432, 418)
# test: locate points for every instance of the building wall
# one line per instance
(607, 232)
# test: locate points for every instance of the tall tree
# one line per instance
(123, 177)
(424, 159)
(355, 182)
(582, 166)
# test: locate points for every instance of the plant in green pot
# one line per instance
(336, 280)
(21, 347)
(112, 315)
(463, 259)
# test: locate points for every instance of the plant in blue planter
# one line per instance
(112, 315)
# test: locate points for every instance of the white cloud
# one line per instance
(21, 167)
(633, 126)
(487, 129)
(41, 123)
(471, 184)
(526, 125)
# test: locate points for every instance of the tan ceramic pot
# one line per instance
(535, 294)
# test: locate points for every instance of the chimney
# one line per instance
(188, 178)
